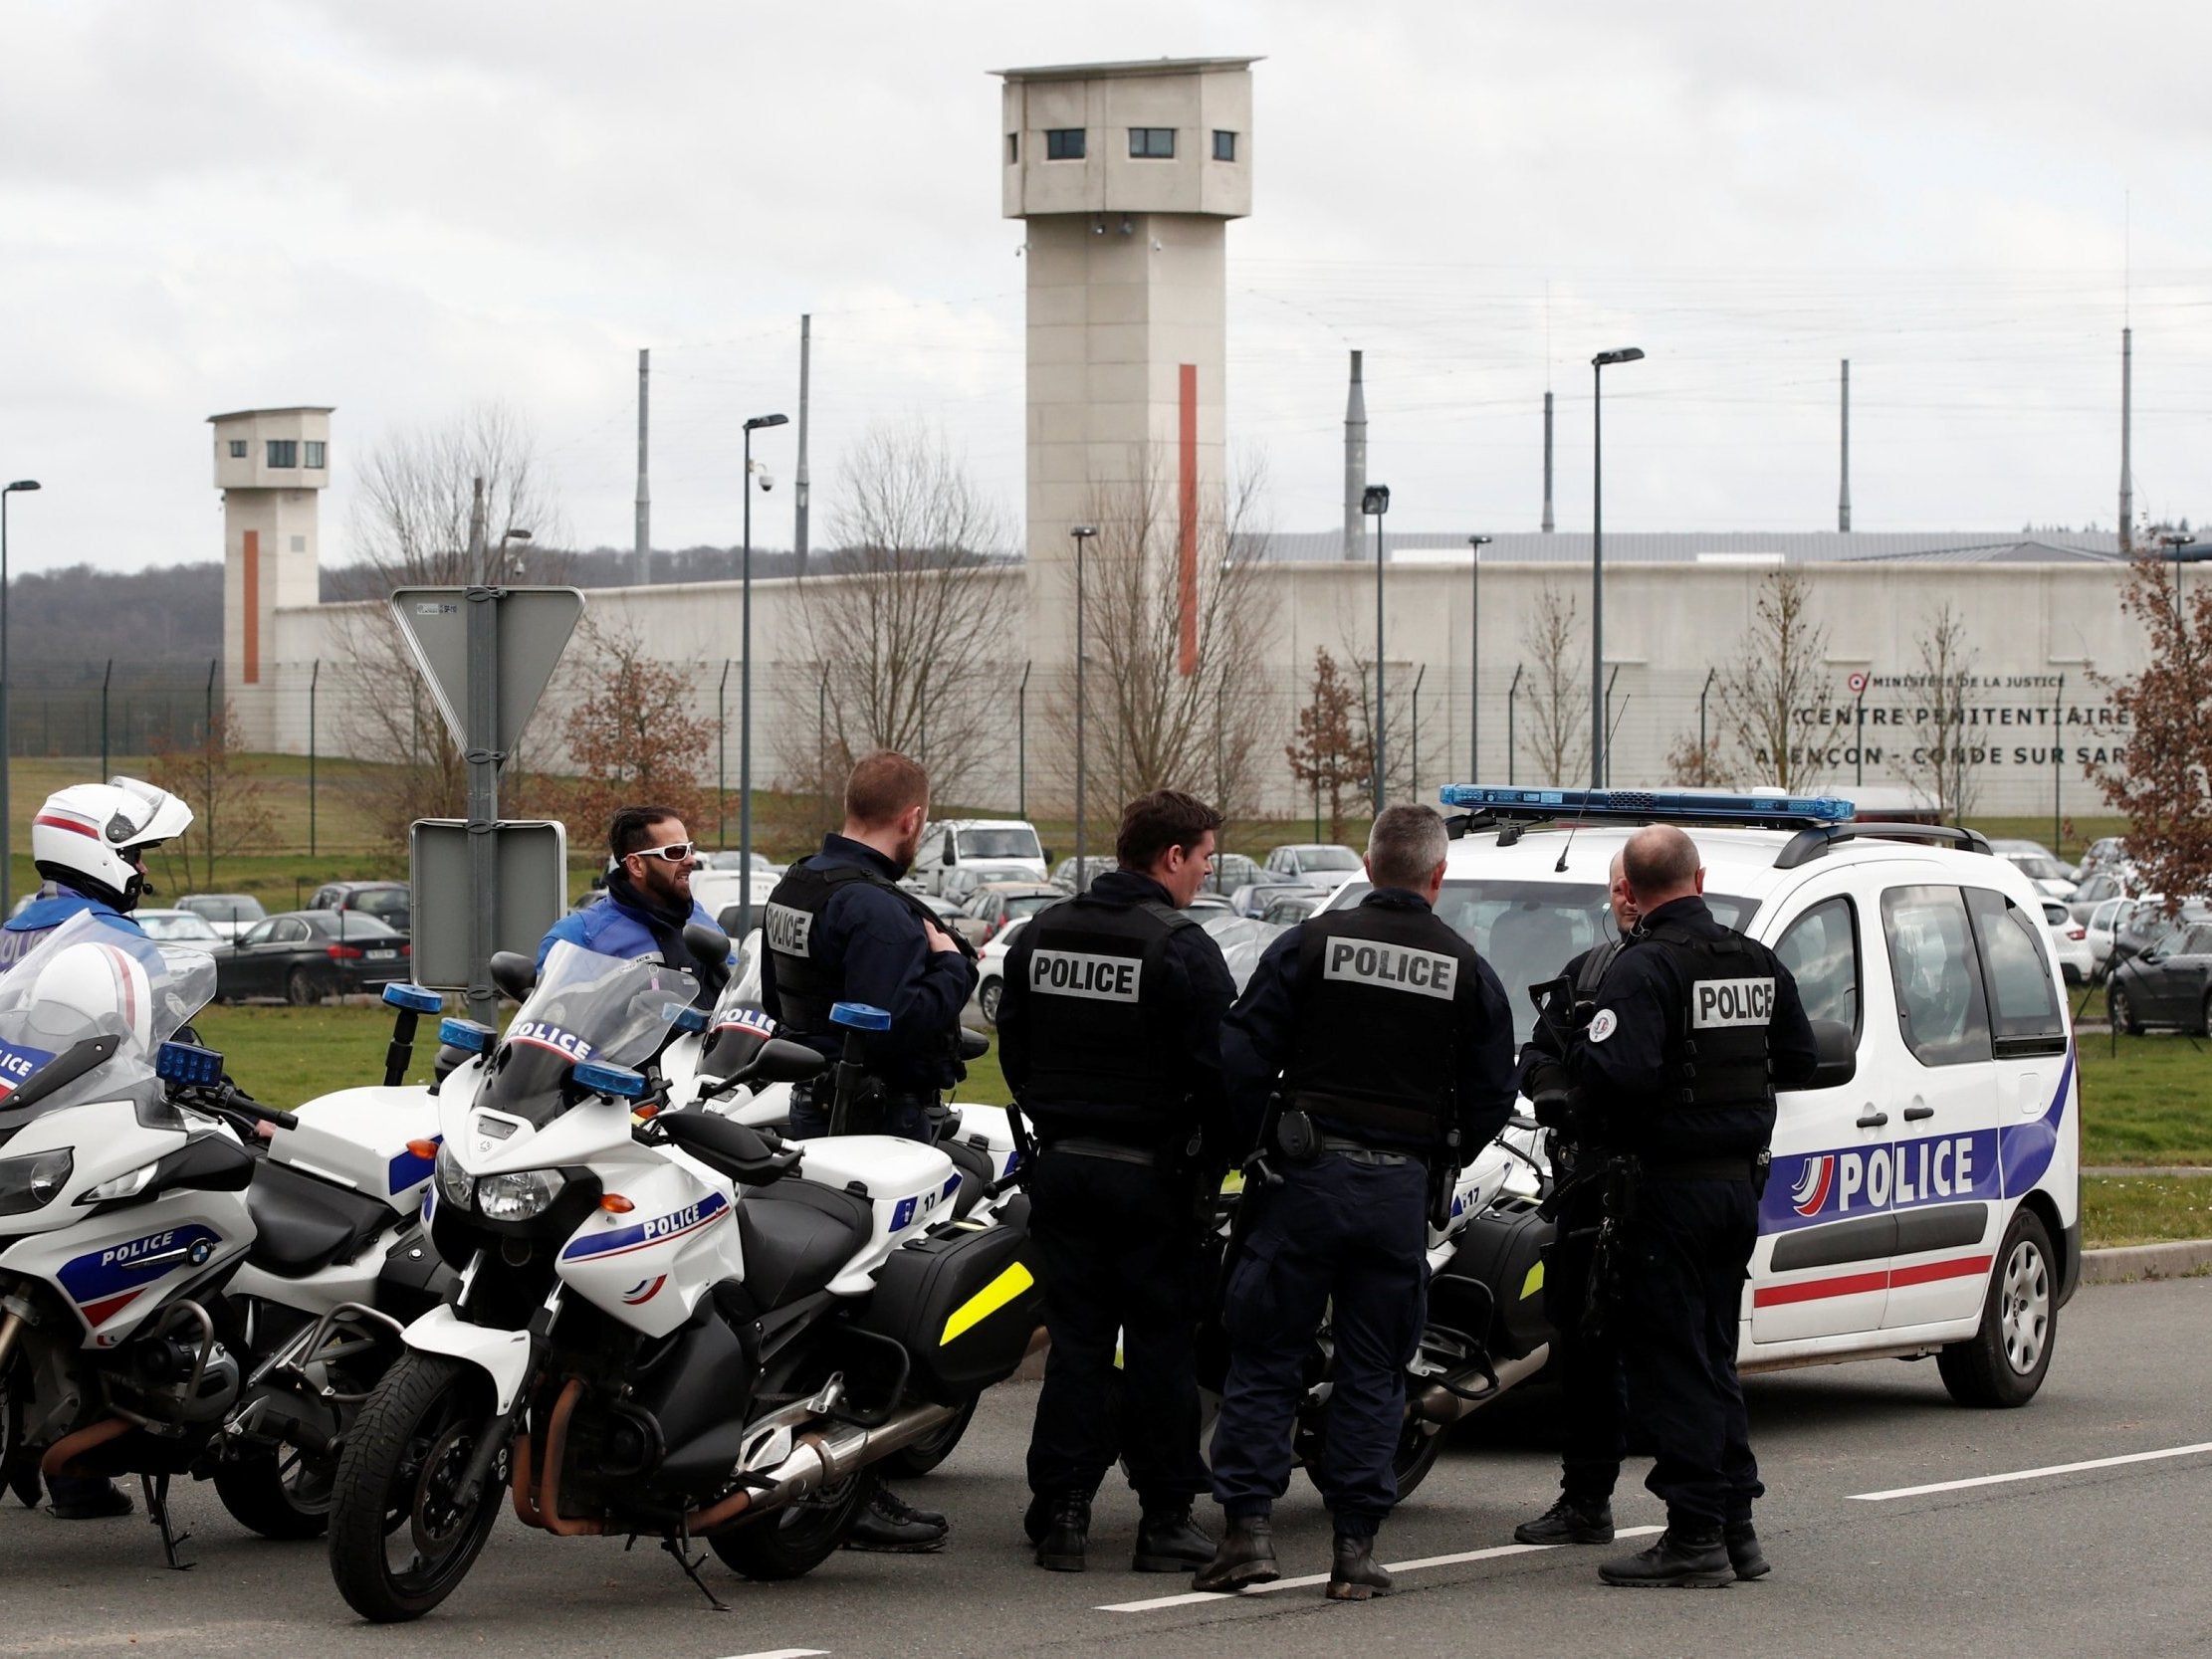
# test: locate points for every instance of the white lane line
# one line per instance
(1194, 1598)
(784, 1653)
(2031, 1474)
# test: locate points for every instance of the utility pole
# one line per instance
(1843, 499)
(1354, 464)
(644, 494)
(798, 481)
(2126, 417)
(1546, 525)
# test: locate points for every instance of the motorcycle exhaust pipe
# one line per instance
(829, 1454)
(1439, 1404)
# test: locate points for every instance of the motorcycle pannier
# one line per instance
(962, 1302)
(1492, 1287)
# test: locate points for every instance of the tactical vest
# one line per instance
(1594, 961)
(806, 983)
(1718, 1053)
(1097, 983)
(1378, 988)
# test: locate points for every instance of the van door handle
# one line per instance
(1874, 1119)
(1913, 1113)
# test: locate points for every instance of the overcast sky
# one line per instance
(401, 208)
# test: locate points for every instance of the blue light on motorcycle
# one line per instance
(184, 1064)
(861, 1016)
(602, 1078)
(466, 1035)
(415, 999)
(689, 1018)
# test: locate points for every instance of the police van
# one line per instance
(1924, 1197)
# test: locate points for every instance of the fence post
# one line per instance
(1413, 778)
(821, 749)
(722, 766)
(1022, 744)
(105, 680)
(1512, 747)
(207, 765)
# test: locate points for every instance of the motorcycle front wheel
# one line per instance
(401, 1536)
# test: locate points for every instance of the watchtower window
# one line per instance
(314, 456)
(1063, 143)
(1224, 146)
(238, 448)
(1013, 147)
(283, 452)
(1154, 143)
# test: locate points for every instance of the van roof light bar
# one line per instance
(1643, 806)
(1808, 845)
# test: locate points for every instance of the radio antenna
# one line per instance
(1561, 867)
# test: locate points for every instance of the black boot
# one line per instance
(1683, 1557)
(1066, 1533)
(890, 1526)
(1171, 1540)
(1744, 1553)
(1353, 1575)
(1569, 1522)
(87, 1498)
(1245, 1556)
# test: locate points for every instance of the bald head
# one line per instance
(1617, 895)
(1660, 865)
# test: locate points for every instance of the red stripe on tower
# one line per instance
(1186, 539)
(250, 618)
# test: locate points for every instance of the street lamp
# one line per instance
(744, 684)
(6, 869)
(1475, 544)
(1375, 502)
(500, 557)
(1626, 354)
(2173, 546)
(1082, 534)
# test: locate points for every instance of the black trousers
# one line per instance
(1118, 1253)
(1688, 1253)
(1589, 1368)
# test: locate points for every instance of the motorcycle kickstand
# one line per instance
(675, 1543)
(156, 1490)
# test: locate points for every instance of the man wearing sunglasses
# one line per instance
(648, 895)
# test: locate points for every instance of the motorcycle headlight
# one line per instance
(519, 1197)
(29, 1183)
(454, 1184)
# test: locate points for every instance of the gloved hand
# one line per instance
(1554, 1106)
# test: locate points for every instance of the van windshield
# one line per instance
(1528, 930)
(1018, 842)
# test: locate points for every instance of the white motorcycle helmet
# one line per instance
(94, 836)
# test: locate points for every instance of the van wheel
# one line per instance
(2120, 1008)
(2002, 1363)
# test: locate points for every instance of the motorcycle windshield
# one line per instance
(585, 1007)
(91, 979)
(736, 1030)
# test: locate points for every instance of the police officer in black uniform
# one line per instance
(839, 928)
(1386, 1046)
(1109, 1031)
(1584, 1355)
(1696, 1028)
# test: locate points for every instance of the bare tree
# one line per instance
(1178, 685)
(227, 795)
(1557, 741)
(1939, 765)
(2163, 780)
(905, 637)
(1779, 667)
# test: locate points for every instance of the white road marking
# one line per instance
(2031, 1474)
(1194, 1598)
(784, 1653)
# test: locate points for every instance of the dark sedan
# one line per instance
(307, 955)
(2170, 983)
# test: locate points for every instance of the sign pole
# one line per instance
(482, 750)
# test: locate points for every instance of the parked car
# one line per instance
(1325, 865)
(1251, 901)
(2104, 853)
(1292, 908)
(2035, 861)
(991, 906)
(1231, 872)
(174, 926)
(1244, 941)
(2143, 925)
(996, 849)
(734, 861)
(2071, 940)
(2101, 923)
(229, 914)
(2167, 983)
(307, 955)
(990, 968)
(1095, 866)
(389, 901)
(2117, 883)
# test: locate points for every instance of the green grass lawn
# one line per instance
(2144, 1209)
(2145, 1100)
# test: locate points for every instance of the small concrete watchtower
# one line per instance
(1127, 175)
(270, 465)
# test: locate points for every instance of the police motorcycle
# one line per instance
(666, 1323)
(122, 1214)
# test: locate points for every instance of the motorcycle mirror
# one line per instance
(708, 945)
(783, 1061)
(974, 1045)
(514, 975)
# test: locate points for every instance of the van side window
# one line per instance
(2025, 1005)
(1820, 951)
(1940, 1008)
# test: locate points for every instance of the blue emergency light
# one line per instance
(190, 1066)
(861, 1016)
(689, 1018)
(604, 1079)
(1644, 805)
(466, 1034)
(415, 999)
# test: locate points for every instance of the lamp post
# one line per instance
(745, 682)
(1475, 544)
(7, 894)
(1375, 502)
(2173, 546)
(1081, 533)
(498, 558)
(1626, 354)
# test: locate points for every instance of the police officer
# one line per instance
(839, 928)
(1583, 1354)
(1696, 1027)
(648, 901)
(1109, 1032)
(1380, 1033)
(89, 842)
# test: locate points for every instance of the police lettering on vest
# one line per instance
(1094, 968)
(1426, 973)
(787, 931)
(1075, 973)
(1718, 1002)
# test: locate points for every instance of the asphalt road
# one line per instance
(2104, 1559)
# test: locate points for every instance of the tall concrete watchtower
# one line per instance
(268, 464)
(1127, 175)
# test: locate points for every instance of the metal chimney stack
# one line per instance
(1843, 499)
(1546, 525)
(644, 494)
(2126, 439)
(1355, 467)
